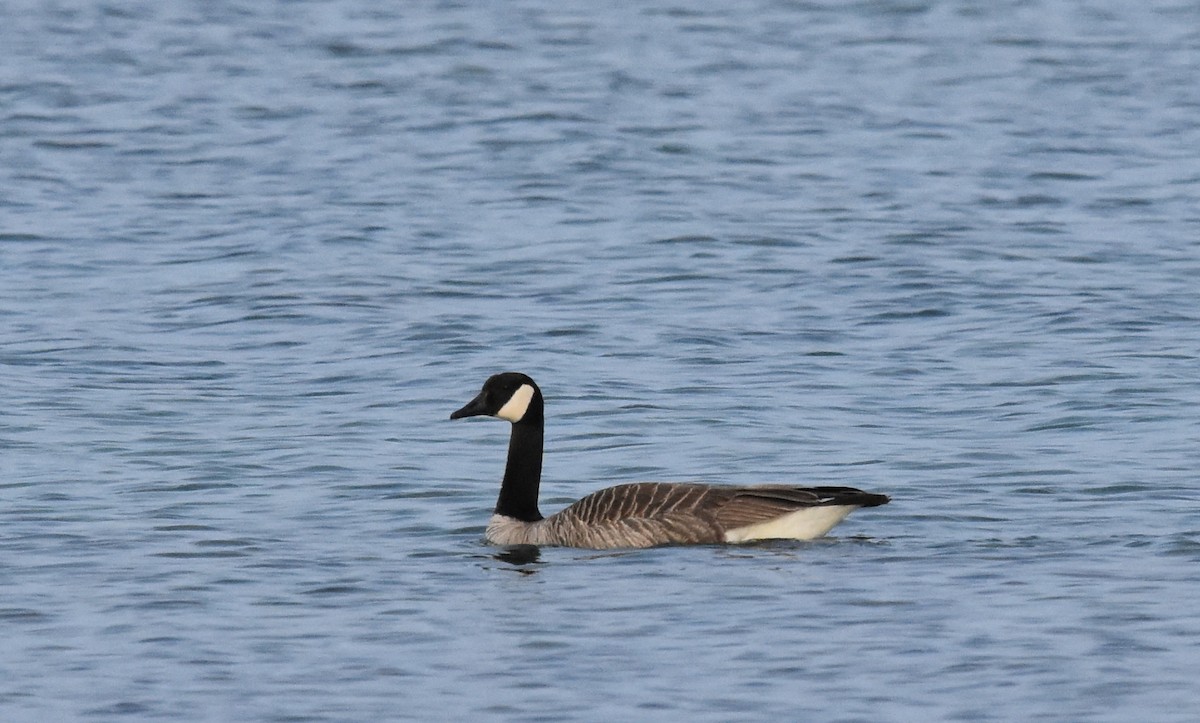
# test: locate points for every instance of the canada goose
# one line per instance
(641, 514)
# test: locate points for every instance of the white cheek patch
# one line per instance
(514, 409)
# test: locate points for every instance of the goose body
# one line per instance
(641, 514)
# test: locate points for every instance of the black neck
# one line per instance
(523, 472)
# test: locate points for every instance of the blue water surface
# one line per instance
(252, 255)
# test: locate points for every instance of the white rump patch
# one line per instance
(804, 524)
(514, 409)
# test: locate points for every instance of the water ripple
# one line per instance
(251, 259)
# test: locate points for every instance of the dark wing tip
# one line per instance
(850, 496)
(871, 499)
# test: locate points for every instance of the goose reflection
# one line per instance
(520, 555)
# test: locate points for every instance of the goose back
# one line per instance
(646, 514)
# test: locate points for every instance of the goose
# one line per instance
(641, 514)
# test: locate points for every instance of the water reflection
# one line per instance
(520, 555)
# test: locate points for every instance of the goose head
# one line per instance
(510, 396)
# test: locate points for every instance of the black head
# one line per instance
(511, 396)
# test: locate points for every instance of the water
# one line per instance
(252, 255)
